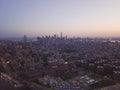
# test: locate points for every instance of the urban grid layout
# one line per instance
(61, 63)
(59, 44)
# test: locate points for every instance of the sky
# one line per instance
(79, 18)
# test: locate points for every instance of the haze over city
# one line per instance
(83, 18)
(59, 44)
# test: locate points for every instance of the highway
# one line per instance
(5, 85)
(8, 83)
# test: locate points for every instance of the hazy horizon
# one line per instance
(79, 18)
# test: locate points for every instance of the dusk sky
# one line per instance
(84, 18)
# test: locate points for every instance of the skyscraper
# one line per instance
(25, 38)
(60, 34)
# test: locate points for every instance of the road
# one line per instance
(5, 85)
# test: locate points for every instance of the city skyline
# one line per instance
(88, 18)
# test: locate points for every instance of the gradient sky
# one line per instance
(84, 18)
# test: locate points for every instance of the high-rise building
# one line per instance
(60, 34)
(55, 36)
(25, 38)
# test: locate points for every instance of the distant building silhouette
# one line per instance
(60, 34)
(25, 38)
